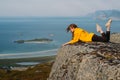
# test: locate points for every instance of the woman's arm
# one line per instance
(74, 40)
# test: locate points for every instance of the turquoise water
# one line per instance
(12, 29)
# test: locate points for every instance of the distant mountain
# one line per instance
(105, 14)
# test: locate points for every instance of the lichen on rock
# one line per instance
(115, 37)
(87, 61)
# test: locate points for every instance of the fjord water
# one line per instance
(12, 29)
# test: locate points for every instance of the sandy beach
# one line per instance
(29, 54)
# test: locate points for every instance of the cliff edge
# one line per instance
(87, 61)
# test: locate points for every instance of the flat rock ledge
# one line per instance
(87, 61)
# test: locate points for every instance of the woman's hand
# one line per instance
(65, 44)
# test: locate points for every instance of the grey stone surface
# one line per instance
(87, 61)
(115, 37)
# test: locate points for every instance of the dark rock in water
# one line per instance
(19, 41)
(42, 40)
(87, 61)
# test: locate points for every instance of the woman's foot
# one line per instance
(99, 29)
(108, 24)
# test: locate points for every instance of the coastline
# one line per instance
(14, 72)
(28, 54)
(14, 62)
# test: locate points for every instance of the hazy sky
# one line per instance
(55, 7)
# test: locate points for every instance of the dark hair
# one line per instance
(71, 26)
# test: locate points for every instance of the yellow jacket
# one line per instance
(82, 35)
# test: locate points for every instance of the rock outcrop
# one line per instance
(87, 61)
(115, 37)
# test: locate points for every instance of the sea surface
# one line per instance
(27, 28)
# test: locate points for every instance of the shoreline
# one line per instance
(14, 62)
(28, 54)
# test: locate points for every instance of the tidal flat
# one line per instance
(13, 62)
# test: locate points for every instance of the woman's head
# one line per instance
(71, 27)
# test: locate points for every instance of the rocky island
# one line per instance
(41, 40)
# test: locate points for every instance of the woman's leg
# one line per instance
(97, 38)
(101, 38)
(105, 37)
(108, 35)
(108, 25)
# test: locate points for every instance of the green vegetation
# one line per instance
(39, 72)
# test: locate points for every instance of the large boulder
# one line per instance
(87, 61)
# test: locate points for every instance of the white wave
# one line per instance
(28, 63)
(29, 54)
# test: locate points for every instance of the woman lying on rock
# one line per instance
(79, 34)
